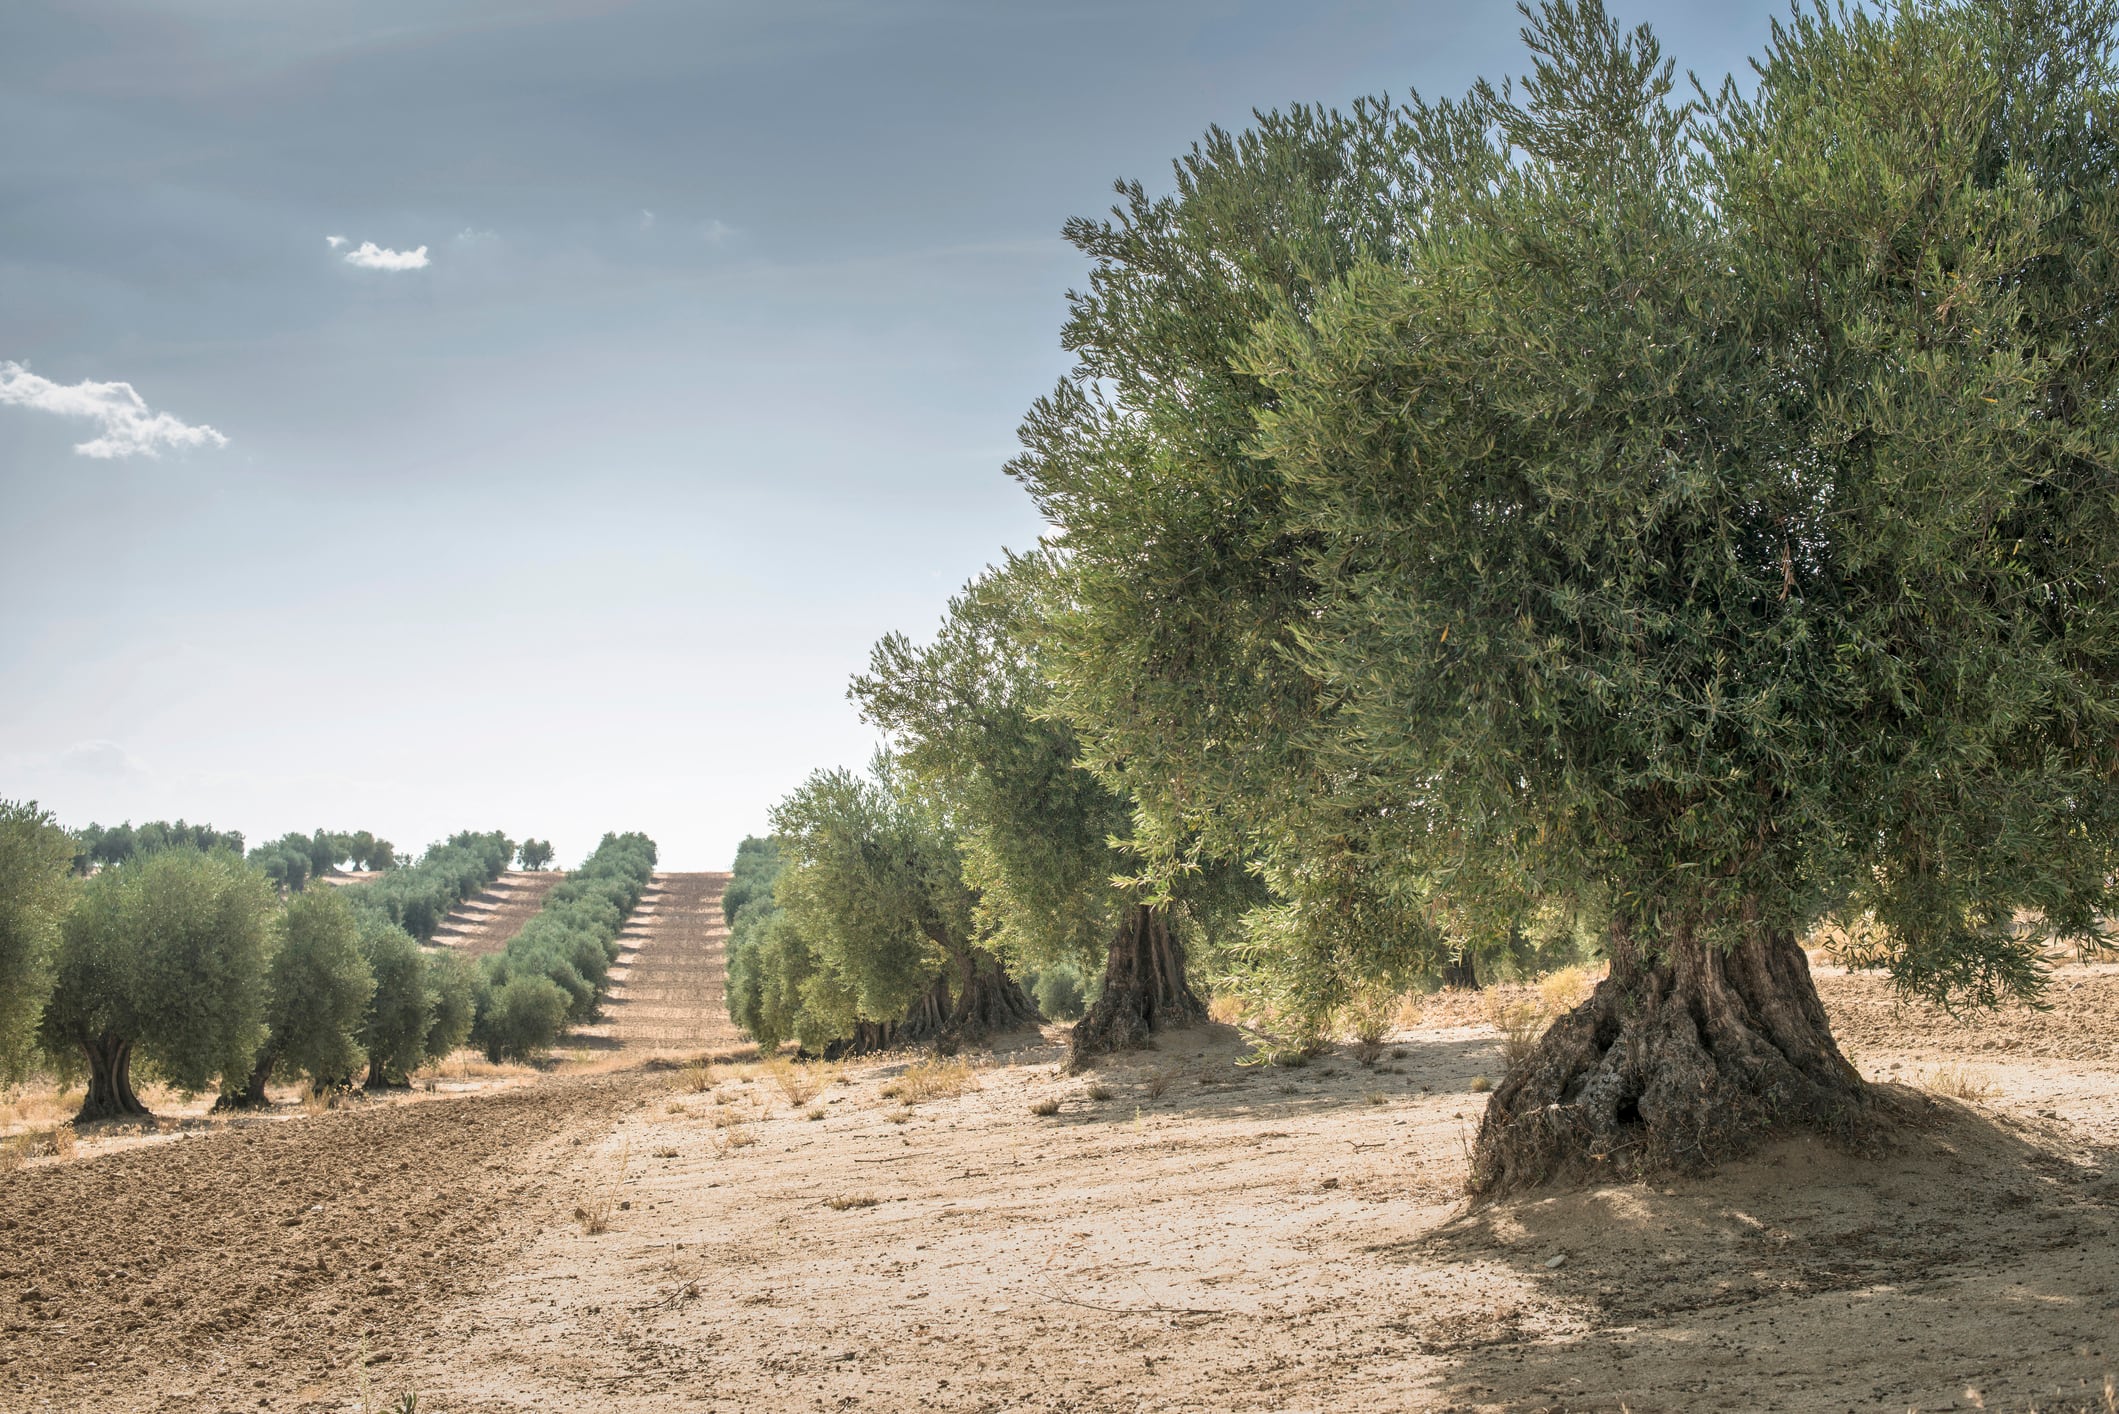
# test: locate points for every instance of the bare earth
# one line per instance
(1209, 1236)
(486, 922)
(668, 984)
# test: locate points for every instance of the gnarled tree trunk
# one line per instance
(868, 1038)
(1675, 1062)
(379, 1078)
(110, 1093)
(1144, 988)
(928, 1016)
(252, 1096)
(989, 1001)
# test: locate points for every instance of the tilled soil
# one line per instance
(669, 985)
(487, 921)
(257, 1265)
(1184, 1232)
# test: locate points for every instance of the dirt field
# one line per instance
(667, 986)
(485, 922)
(1205, 1236)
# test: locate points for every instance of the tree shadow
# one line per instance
(1973, 1251)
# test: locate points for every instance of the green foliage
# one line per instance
(166, 954)
(35, 859)
(100, 846)
(418, 897)
(751, 876)
(521, 1017)
(1059, 992)
(402, 1013)
(317, 990)
(1570, 493)
(452, 1002)
(535, 854)
(294, 859)
(573, 939)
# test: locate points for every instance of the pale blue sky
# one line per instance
(727, 316)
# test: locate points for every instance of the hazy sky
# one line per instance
(539, 406)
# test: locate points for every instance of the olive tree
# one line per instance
(972, 717)
(36, 857)
(317, 989)
(162, 960)
(400, 1014)
(535, 854)
(1700, 508)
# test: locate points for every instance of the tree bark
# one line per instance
(928, 1016)
(868, 1038)
(110, 1094)
(1144, 989)
(379, 1079)
(252, 1096)
(1462, 973)
(1676, 1062)
(989, 1001)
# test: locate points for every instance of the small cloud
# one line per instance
(647, 220)
(370, 256)
(715, 232)
(470, 235)
(100, 758)
(129, 428)
(334, 241)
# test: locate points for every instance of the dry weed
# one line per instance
(1162, 1080)
(1520, 1020)
(1480, 1085)
(1047, 1106)
(65, 1143)
(1958, 1083)
(815, 1112)
(594, 1211)
(800, 1083)
(13, 1155)
(733, 1136)
(696, 1078)
(1377, 1097)
(1226, 1009)
(1563, 991)
(899, 1116)
(858, 1200)
(1098, 1092)
(933, 1080)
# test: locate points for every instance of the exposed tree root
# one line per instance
(1144, 989)
(1674, 1063)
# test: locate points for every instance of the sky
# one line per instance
(423, 415)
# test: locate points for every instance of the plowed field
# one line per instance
(1183, 1233)
(485, 922)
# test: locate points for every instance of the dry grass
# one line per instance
(1098, 1092)
(696, 1078)
(1047, 1106)
(1561, 992)
(470, 1065)
(65, 1143)
(1521, 1021)
(938, 1079)
(14, 1153)
(814, 1112)
(851, 1200)
(1162, 1080)
(733, 1135)
(1370, 1018)
(800, 1083)
(1958, 1083)
(36, 1109)
(899, 1116)
(1480, 1085)
(594, 1211)
(1228, 1010)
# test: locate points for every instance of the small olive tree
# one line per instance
(401, 1012)
(317, 989)
(162, 960)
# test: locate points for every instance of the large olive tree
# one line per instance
(1703, 508)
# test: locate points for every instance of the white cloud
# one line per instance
(370, 256)
(647, 220)
(334, 241)
(129, 428)
(715, 232)
(100, 758)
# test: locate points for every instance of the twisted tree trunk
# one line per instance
(110, 1094)
(868, 1038)
(252, 1096)
(1676, 1061)
(1144, 989)
(928, 1016)
(1462, 973)
(989, 1001)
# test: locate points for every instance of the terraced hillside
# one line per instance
(672, 973)
(484, 922)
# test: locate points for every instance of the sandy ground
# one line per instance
(1203, 1236)
(668, 982)
(487, 921)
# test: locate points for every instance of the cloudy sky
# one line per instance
(523, 414)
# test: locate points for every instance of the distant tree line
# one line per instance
(294, 859)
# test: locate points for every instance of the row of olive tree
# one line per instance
(556, 971)
(99, 845)
(294, 859)
(185, 960)
(419, 896)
